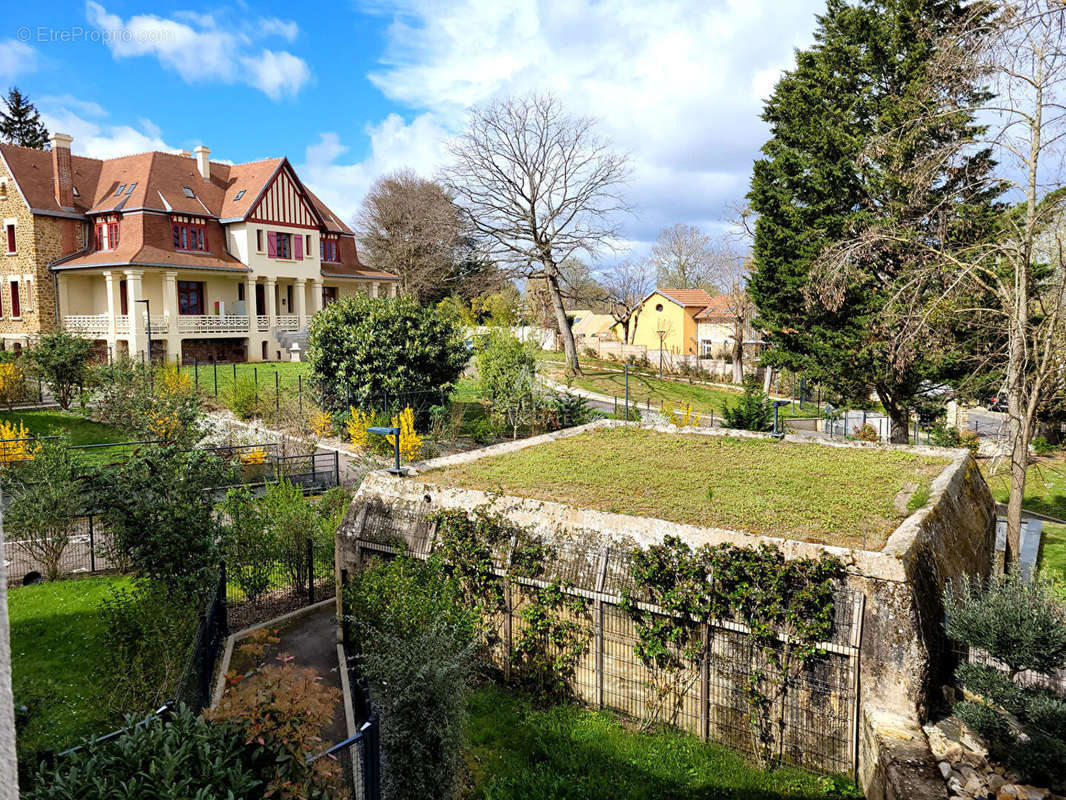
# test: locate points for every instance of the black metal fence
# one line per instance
(360, 754)
(194, 688)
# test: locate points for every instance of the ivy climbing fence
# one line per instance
(814, 722)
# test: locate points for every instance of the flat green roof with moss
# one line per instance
(849, 497)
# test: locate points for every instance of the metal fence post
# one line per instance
(255, 379)
(336, 468)
(627, 391)
(310, 574)
(300, 393)
(235, 375)
(214, 370)
(92, 546)
(196, 372)
(277, 394)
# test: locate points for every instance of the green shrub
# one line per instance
(866, 433)
(46, 498)
(364, 351)
(1021, 624)
(250, 557)
(507, 378)
(1041, 446)
(415, 640)
(571, 410)
(157, 514)
(61, 359)
(241, 397)
(183, 758)
(753, 411)
(149, 631)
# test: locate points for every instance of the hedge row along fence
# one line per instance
(586, 588)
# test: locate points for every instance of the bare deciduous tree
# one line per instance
(738, 304)
(409, 226)
(539, 186)
(627, 284)
(684, 257)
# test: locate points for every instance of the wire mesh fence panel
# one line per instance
(194, 689)
(87, 551)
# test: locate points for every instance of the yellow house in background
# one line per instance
(667, 320)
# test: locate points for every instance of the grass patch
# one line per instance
(517, 752)
(49, 422)
(56, 653)
(1045, 493)
(645, 389)
(813, 492)
(918, 499)
(1052, 557)
(289, 375)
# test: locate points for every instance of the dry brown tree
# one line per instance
(627, 283)
(409, 226)
(539, 186)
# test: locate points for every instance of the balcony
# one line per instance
(288, 322)
(87, 323)
(212, 323)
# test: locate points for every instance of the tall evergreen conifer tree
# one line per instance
(21, 123)
(846, 124)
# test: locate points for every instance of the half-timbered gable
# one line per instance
(284, 202)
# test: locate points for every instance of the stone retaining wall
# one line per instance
(904, 658)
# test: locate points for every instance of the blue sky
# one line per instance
(350, 92)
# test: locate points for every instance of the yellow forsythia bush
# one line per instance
(14, 447)
(321, 424)
(410, 441)
(358, 422)
(10, 383)
(685, 416)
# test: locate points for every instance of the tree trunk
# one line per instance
(899, 423)
(738, 356)
(565, 332)
(767, 379)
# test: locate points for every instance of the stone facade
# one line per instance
(40, 240)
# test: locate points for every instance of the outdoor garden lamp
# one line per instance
(778, 434)
(395, 434)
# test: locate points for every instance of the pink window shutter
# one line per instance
(272, 244)
(298, 247)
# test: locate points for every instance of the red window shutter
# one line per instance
(16, 306)
(11, 238)
(123, 298)
(298, 249)
(272, 244)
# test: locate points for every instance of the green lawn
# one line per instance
(672, 391)
(56, 654)
(1045, 493)
(517, 752)
(81, 430)
(287, 372)
(790, 489)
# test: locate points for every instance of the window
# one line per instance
(106, 235)
(189, 236)
(238, 196)
(16, 306)
(659, 307)
(120, 189)
(259, 240)
(130, 188)
(10, 228)
(282, 245)
(240, 292)
(329, 295)
(329, 250)
(123, 298)
(307, 244)
(190, 297)
(188, 192)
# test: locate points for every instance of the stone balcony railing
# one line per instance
(203, 324)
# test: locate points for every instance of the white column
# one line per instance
(394, 289)
(271, 302)
(249, 301)
(374, 287)
(63, 299)
(316, 296)
(138, 343)
(170, 301)
(110, 284)
(300, 300)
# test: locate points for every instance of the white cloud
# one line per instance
(16, 58)
(394, 144)
(679, 83)
(93, 135)
(201, 48)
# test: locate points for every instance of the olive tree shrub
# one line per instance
(1021, 624)
(507, 378)
(373, 352)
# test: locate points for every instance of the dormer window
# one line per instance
(189, 234)
(106, 233)
(130, 188)
(121, 188)
(188, 192)
(329, 249)
(239, 195)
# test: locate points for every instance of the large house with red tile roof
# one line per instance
(667, 321)
(209, 260)
(716, 327)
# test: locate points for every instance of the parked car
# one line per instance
(997, 403)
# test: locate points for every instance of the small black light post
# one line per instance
(148, 325)
(778, 433)
(395, 433)
(627, 391)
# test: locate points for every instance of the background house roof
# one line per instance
(686, 297)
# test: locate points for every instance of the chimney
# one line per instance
(63, 173)
(203, 161)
